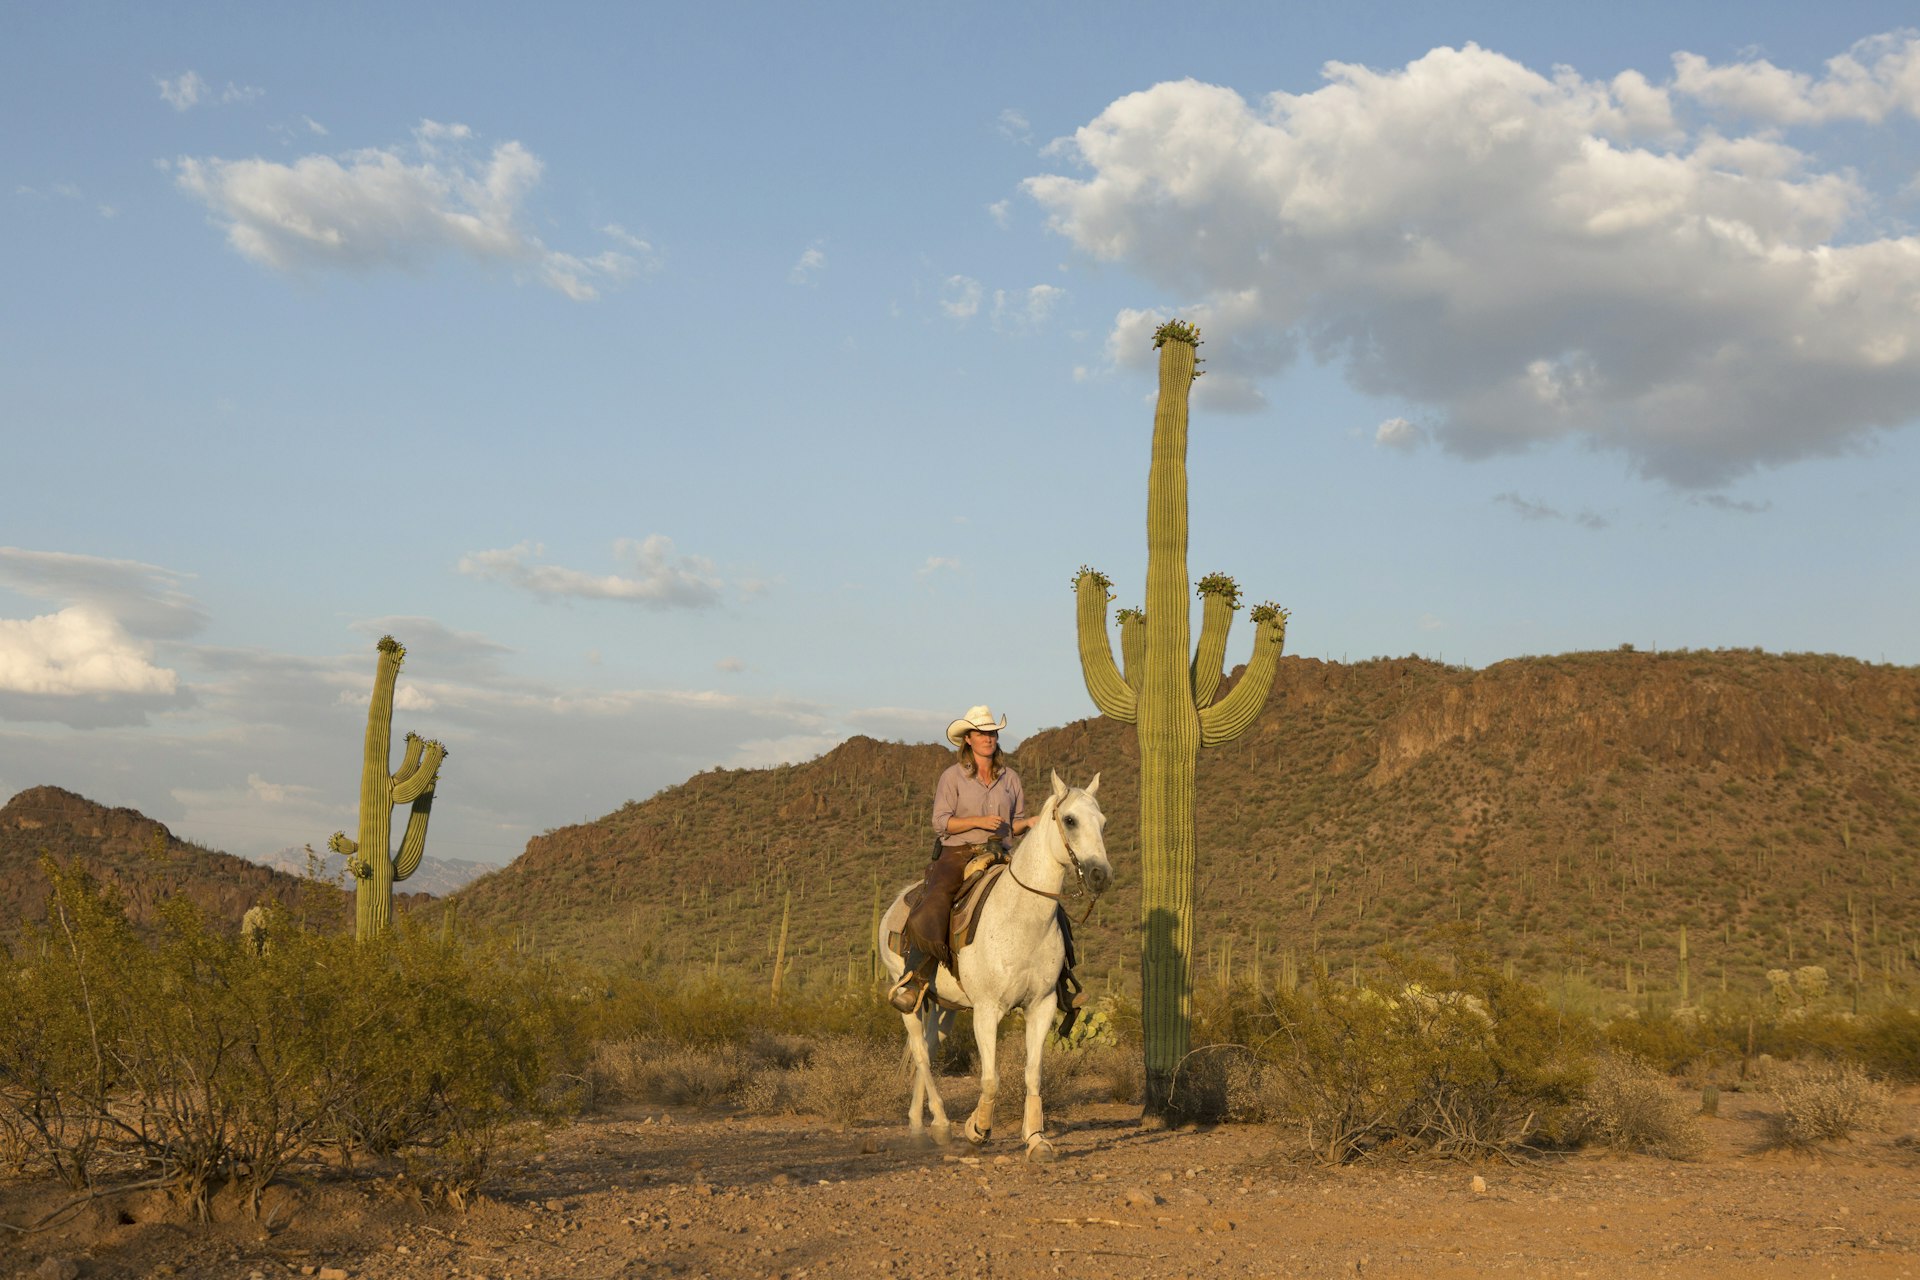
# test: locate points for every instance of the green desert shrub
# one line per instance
(188, 1057)
(1422, 1061)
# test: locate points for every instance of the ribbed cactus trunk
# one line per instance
(375, 868)
(1169, 696)
(1169, 727)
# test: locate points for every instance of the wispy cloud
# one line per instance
(654, 575)
(1399, 434)
(1021, 310)
(810, 266)
(1721, 502)
(960, 297)
(1529, 509)
(1602, 266)
(396, 207)
(1014, 126)
(936, 565)
(188, 90)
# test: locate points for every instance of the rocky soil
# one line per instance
(646, 1193)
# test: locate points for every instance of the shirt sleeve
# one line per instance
(946, 798)
(1017, 794)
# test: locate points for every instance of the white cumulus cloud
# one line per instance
(398, 207)
(77, 651)
(1527, 256)
(1876, 78)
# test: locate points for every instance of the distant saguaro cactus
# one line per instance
(375, 867)
(1170, 698)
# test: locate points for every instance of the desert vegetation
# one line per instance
(215, 1064)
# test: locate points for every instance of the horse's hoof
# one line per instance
(976, 1135)
(942, 1135)
(1039, 1150)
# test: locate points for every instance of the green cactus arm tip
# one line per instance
(1105, 685)
(1271, 612)
(342, 843)
(1222, 585)
(1106, 583)
(1176, 331)
(421, 779)
(1233, 714)
(388, 644)
(1129, 614)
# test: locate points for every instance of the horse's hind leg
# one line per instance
(923, 1030)
(986, 1038)
(1033, 1125)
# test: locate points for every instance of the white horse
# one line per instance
(1013, 961)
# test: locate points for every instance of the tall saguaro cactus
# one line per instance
(1171, 699)
(375, 867)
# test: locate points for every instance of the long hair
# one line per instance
(995, 767)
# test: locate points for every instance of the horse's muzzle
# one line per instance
(1099, 876)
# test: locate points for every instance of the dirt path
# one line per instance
(650, 1194)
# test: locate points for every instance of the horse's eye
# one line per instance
(1073, 822)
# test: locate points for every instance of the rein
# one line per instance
(1073, 858)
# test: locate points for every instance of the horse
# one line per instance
(1013, 962)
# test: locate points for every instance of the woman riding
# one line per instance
(978, 802)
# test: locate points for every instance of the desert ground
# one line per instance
(647, 1192)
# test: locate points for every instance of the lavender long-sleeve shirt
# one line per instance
(960, 795)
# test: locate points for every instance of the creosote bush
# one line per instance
(1419, 1061)
(192, 1060)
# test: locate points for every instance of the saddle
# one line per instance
(976, 882)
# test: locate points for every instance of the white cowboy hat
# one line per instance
(976, 718)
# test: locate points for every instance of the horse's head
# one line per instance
(1081, 826)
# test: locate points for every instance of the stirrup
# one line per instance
(909, 993)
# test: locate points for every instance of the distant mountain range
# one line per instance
(436, 877)
(1581, 810)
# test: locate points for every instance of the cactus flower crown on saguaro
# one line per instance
(1168, 689)
(375, 866)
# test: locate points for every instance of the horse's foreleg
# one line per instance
(1033, 1124)
(922, 1030)
(986, 1038)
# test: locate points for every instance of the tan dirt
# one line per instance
(648, 1193)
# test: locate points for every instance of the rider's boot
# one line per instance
(910, 992)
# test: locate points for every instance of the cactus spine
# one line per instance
(1169, 697)
(375, 868)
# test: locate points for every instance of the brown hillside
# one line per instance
(1580, 809)
(139, 857)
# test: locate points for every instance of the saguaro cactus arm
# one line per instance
(1219, 596)
(1133, 645)
(1230, 717)
(413, 844)
(342, 843)
(411, 784)
(1109, 691)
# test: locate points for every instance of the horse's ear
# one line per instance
(1059, 787)
(1093, 788)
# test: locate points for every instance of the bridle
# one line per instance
(1073, 859)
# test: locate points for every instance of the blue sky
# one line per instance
(693, 386)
